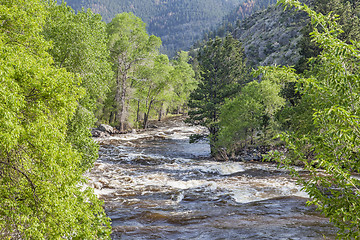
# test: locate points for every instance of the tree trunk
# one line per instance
(252, 137)
(112, 117)
(138, 114)
(146, 116)
(121, 93)
(117, 100)
(213, 139)
(122, 117)
(161, 112)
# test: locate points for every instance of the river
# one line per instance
(156, 185)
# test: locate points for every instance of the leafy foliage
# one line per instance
(41, 192)
(130, 47)
(183, 80)
(251, 114)
(330, 151)
(80, 45)
(347, 12)
(155, 85)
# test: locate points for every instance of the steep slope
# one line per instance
(247, 8)
(177, 22)
(234, 18)
(271, 36)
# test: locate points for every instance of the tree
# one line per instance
(80, 46)
(252, 112)
(42, 192)
(222, 72)
(330, 151)
(183, 80)
(130, 47)
(155, 85)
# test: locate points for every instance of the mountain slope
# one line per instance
(234, 18)
(271, 36)
(177, 22)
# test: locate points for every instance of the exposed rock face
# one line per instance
(271, 36)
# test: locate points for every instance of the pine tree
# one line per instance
(222, 72)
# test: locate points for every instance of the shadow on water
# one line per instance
(154, 188)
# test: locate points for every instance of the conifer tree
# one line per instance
(222, 72)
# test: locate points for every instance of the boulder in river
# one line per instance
(99, 134)
(106, 128)
(103, 131)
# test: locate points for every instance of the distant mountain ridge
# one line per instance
(177, 22)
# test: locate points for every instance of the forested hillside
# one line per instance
(234, 18)
(177, 22)
(269, 34)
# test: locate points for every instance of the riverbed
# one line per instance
(156, 185)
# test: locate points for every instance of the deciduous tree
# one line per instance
(155, 85)
(330, 151)
(183, 80)
(42, 193)
(252, 112)
(130, 47)
(80, 45)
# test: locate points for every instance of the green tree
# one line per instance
(333, 143)
(155, 85)
(222, 72)
(80, 45)
(42, 193)
(130, 47)
(183, 81)
(251, 114)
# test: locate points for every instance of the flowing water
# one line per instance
(158, 186)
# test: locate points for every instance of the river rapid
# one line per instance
(156, 185)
